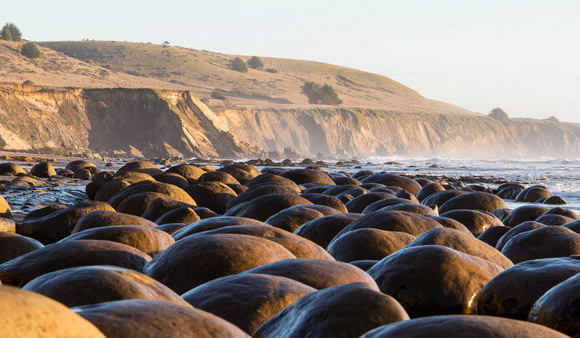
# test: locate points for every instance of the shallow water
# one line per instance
(561, 177)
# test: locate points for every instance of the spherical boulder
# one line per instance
(359, 203)
(155, 318)
(462, 326)
(261, 190)
(247, 300)
(474, 201)
(218, 176)
(292, 218)
(13, 245)
(322, 230)
(558, 307)
(433, 280)
(5, 210)
(214, 223)
(140, 167)
(11, 169)
(492, 234)
(43, 169)
(476, 221)
(513, 292)
(212, 194)
(429, 189)
(29, 314)
(326, 200)
(462, 242)
(302, 176)
(551, 241)
(341, 311)
(518, 229)
(147, 239)
(58, 224)
(533, 193)
(23, 269)
(393, 221)
(95, 284)
(406, 183)
(170, 190)
(317, 273)
(195, 260)
(106, 218)
(368, 244)
(298, 246)
(190, 172)
(263, 207)
(441, 197)
(185, 215)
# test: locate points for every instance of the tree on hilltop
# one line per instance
(239, 65)
(10, 32)
(255, 63)
(318, 94)
(498, 114)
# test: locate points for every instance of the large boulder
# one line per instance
(474, 201)
(317, 273)
(462, 242)
(463, 326)
(368, 244)
(13, 245)
(95, 284)
(544, 242)
(261, 208)
(518, 229)
(298, 246)
(393, 221)
(433, 280)
(247, 300)
(212, 194)
(155, 318)
(558, 307)
(341, 311)
(292, 218)
(140, 167)
(476, 221)
(513, 292)
(11, 169)
(58, 224)
(23, 269)
(359, 203)
(302, 176)
(195, 260)
(5, 210)
(149, 240)
(106, 218)
(406, 183)
(28, 314)
(322, 230)
(170, 190)
(43, 169)
(524, 213)
(214, 223)
(189, 171)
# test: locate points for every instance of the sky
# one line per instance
(520, 55)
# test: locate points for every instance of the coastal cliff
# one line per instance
(148, 122)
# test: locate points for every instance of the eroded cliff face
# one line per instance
(364, 133)
(175, 123)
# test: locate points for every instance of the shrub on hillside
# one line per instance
(272, 70)
(10, 32)
(218, 95)
(239, 65)
(30, 50)
(318, 94)
(498, 114)
(255, 63)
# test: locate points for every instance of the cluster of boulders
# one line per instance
(194, 251)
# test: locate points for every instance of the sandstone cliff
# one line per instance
(175, 123)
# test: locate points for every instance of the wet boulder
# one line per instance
(474, 201)
(298, 246)
(43, 169)
(147, 239)
(533, 193)
(302, 176)
(358, 204)
(462, 325)
(214, 223)
(190, 172)
(261, 190)
(558, 307)
(326, 200)
(269, 178)
(518, 229)
(95, 284)
(218, 176)
(185, 215)
(553, 219)
(476, 221)
(106, 218)
(441, 197)
(170, 190)
(171, 178)
(429, 189)
(247, 300)
(263, 207)
(513, 292)
(546, 242)
(341, 311)
(405, 183)
(140, 167)
(58, 224)
(322, 230)
(492, 234)
(155, 318)
(212, 194)
(11, 169)
(23, 269)
(198, 259)
(433, 280)
(317, 273)
(368, 244)
(462, 242)
(5, 210)
(292, 218)
(13, 245)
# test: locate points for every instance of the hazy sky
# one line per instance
(521, 55)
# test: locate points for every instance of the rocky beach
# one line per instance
(270, 249)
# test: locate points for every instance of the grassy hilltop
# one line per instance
(145, 65)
